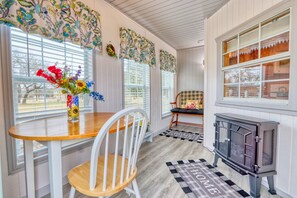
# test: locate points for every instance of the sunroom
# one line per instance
(148, 98)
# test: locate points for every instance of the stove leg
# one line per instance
(216, 158)
(255, 186)
(270, 180)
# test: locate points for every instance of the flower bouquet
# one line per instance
(71, 85)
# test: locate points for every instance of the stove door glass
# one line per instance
(242, 144)
(223, 141)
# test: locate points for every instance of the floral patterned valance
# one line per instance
(167, 61)
(137, 48)
(58, 20)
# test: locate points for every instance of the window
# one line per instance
(136, 85)
(256, 62)
(33, 96)
(167, 91)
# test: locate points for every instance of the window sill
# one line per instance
(166, 115)
(255, 101)
(42, 156)
(268, 107)
(43, 114)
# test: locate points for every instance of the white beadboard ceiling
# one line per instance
(178, 22)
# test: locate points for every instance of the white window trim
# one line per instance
(123, 87)
(290, 107)
(167, 114)
(39, 156)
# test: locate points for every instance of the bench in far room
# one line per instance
(188, 103)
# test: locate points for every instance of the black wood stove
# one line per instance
(248, 145)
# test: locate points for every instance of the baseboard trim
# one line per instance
(156, 133)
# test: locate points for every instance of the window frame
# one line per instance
(167, 114)
(123, 85)
(22, 79)
(41, 155)
(269, 105)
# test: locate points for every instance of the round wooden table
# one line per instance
(58, 128)
(55, 133)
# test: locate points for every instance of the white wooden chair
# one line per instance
(108, 174)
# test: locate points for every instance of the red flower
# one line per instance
(52, 68)
(39, 72)
(57, 71)
(69, 99)
(59, 75)
(51, 80)
(44, 75)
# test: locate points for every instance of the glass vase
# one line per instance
(73, 108)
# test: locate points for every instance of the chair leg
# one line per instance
(135, 188)
(171, 122)
(176, 122)
(72, 192)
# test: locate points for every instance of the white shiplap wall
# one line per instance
(190, 70)
(109, 70)
(228, 17)
(108, 77)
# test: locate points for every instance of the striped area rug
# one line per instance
(199, 179)
(183, 135)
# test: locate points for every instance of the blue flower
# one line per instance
(90, 83)
(97, 96)
(75, 100)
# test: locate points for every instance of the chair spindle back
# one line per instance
(123, 166)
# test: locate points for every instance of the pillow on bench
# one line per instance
(192, 104)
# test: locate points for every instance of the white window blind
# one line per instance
(34, 97)
(167, 91)
(137, 85)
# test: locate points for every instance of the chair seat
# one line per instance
(79, 177)
(187, 111)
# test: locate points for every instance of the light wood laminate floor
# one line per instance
(154, 178)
